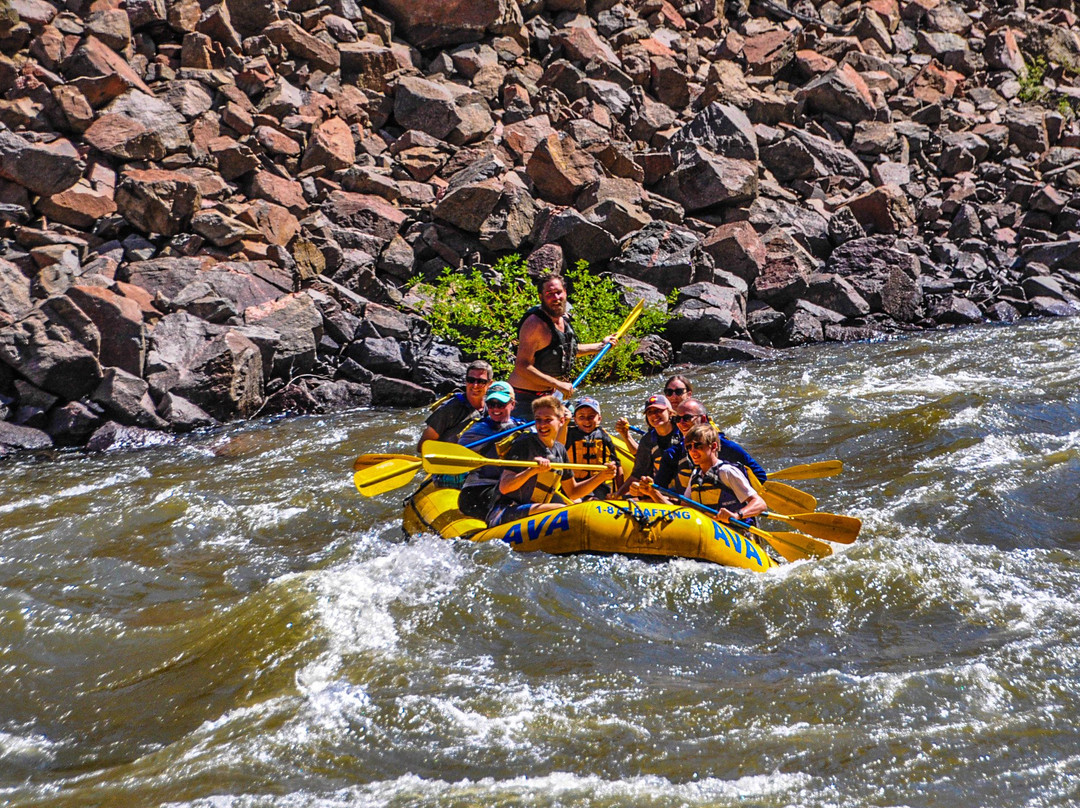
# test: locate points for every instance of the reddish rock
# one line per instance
(100, 73)
(234, 159)
(736, 248)
(883, 210)
(276, 223)
(42, 169)
(436, 23)
(934, 83)
(367, 64)
(120, 321)
(124, 138)
(840, 92)
(584, 45)
(156, 201)
(331, 146)
(111, 26)
(560, 169)
(271, 187)
(275, 141)
(770, 52)
(80, 206)
(369, 214)
(303, 45)
(74, 106)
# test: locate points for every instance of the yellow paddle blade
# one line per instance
(631, 318)
(828, 526)
(451, 458)
(783, 498)
(809, 471)
(365, 461)
(385, 476)
(812, 547)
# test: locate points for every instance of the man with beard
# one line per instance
(547, 348)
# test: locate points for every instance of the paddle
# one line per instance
(450, 458)
(631, 318)
(386, 475)
(784, 498)
(829, 526)
(809, 471)
(368, 460)
(394, 471)
(792, 546)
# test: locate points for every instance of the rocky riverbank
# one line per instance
(210, 211)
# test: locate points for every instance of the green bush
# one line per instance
(1031, 82)
(480, 314)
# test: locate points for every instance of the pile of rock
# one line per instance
(211, 210)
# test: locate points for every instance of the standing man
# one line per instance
(547, 348)
(458, 412)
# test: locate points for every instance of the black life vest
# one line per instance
(557, 359)
(540, 489)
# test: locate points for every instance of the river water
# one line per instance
(226, 622)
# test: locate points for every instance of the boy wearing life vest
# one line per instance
(461, 410)
(654, 443)
(714, 483)
(588, 442)
(529, 491)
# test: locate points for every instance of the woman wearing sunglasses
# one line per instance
(653, 443)
(677, 389)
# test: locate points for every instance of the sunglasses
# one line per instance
(684, 419)
(476, 380)
(674, 391)
(695, 446)
(496, 405)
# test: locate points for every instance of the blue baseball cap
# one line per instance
(586, 401)
(501, 392)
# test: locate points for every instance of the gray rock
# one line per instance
(661, 254)
(727, 350)
(44, 170)
(390, 392)
(49, 357)
(722, 129)
(114, 437)
(127, 399)
(184, 415)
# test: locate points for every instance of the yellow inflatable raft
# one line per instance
(632, 528)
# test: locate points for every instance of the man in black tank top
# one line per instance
(547, 348)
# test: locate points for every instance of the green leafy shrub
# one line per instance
(1031, 82)
(480, 313)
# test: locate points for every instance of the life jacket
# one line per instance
(557, 359)
(663, 443)
(595, 448)
(707, 488)
(467, 416)
(541, 489)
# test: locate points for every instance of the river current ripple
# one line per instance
(225, 622)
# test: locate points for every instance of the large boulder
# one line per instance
(660, 253)
(157, 201)
(702, 179)
(884, 273)
(119, 320)
(216, 367)
(41, 169)
(49, 357)
(298, 320)
(443, 110)
(437, 23)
